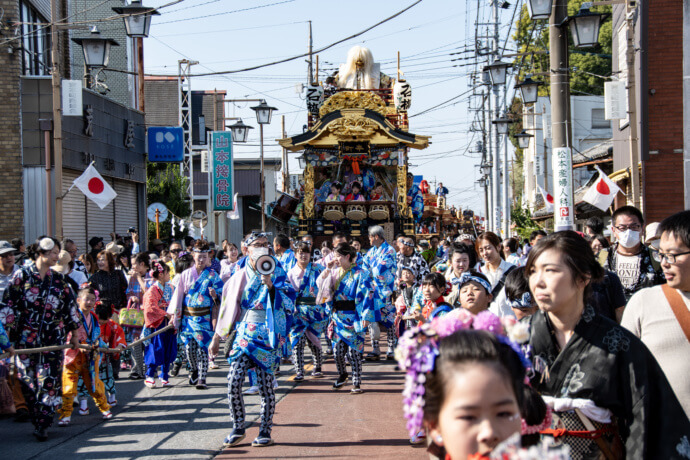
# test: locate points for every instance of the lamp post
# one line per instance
(240, 131)
(263, 117)
(137, 24)
(523, 138)
(502, 125)
(585, 27)
(529, 90)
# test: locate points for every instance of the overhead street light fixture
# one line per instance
(502, 124)
(96, 48)
(529, 90)
(263, 113)
(240, 131)
(497, 71)
(585, 26)
(539, 9)
(523, 138)
(138, 19)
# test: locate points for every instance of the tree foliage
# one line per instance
(533, 37)
(524, 225)
(165, 184)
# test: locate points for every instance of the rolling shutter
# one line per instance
(126, 206)
(74, 212)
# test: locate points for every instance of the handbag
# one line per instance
(132, 316)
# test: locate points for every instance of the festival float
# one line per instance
(354, 153)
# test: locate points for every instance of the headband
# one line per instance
(407, 243)
(253, 237)
(525, 301)
(418, 349)
(466, 279)
(201, 251)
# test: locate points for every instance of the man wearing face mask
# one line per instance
(257, 307)
(194, 306)
(628, 257)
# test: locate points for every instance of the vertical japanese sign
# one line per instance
(563, 218)
(223, 175)
(72, 98)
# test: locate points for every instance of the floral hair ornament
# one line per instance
(156, 269)
(534, 429)
(46, 244)
(418, 349)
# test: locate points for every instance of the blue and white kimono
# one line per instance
(260, 341)
(323, 191)
(192, 305)
(309, 317)
(381, 263)
(355, 284)
(287, 259)
(417, 204)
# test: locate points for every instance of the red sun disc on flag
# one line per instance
(96, 185)
(549, 198)
(603, 188)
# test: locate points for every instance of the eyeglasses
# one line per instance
(259, 245)
(176, 251)
(633, 227)
(670, 258)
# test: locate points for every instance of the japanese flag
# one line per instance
(602, 192)
(94, 187)
(548, 199)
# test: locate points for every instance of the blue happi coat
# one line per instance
(381, 263)
(263, 341)
(355, 285)
(200, 328)
(310, 318)
(287, 259)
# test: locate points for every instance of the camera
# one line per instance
(132, 230)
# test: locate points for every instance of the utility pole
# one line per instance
(632, 105)
(560, 120)
(286, 169)
(310, 70)
(56, 72)
(497, 166)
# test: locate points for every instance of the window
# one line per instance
(35, 42)
(598, 120)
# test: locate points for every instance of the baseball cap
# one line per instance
(6, 248)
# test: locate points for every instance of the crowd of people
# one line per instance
(564, 346)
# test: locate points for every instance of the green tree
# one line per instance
(165, 184)
(524, 225)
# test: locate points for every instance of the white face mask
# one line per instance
(629, 238)
(258, 252)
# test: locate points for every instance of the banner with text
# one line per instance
(563, 218)
(223, 171)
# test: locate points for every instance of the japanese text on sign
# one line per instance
(222, 168)
(563, 189)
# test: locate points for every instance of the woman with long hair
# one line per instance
(597, 376)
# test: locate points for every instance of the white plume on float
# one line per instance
(359, 68)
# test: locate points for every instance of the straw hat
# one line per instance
(64, 258)
(650, 235)
(114, 248)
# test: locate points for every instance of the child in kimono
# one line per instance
(356, 193)
(194, 309)
(80, 362)
(335, 195)
(114, 337)
(377, 193)
(405, 299)
(161, 350)
(309, 319)
(429, 302)
(255, 306)
(348, 290)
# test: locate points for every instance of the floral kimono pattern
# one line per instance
(381, 263)
(355, 285)
(88, 336)
(287, 260)
(307, 318)
(263, 341)
(4, 339)
(200, 328)
(606, 364)
(417, 202)
(38, 313)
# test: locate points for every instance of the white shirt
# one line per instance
(495, 277)
(79, 277)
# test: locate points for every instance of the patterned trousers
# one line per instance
(375, 331)
(40, 377)
(238, 370)
(70, 376)
(105, 373)
(198, 359)
(298, 355)
(355, 358)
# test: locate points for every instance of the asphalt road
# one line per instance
(162, 423)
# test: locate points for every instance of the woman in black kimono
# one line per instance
(608, 393)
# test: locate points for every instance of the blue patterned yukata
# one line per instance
(382, 264)
(417, 204)
(287, 259)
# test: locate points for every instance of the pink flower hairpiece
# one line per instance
(418, 349)
(534, 429)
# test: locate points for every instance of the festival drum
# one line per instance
(285, 208)
(333, 211)
(378, 212)
(356, 212)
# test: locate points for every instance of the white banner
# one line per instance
(71, 98)
(563, 218)
(615, 100)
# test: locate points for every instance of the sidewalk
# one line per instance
(313, 421)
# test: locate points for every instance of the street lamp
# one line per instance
(529, 90)
(523, 138)
(138, 19)
(585, 27)
(539, 9)
(497, 71)
(240, 131)
(96, 49)
(502, 124)
(485, 168)
(302, 162)
(263, 117)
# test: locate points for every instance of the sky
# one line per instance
(435, 39)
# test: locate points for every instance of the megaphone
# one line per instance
(265, 264)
